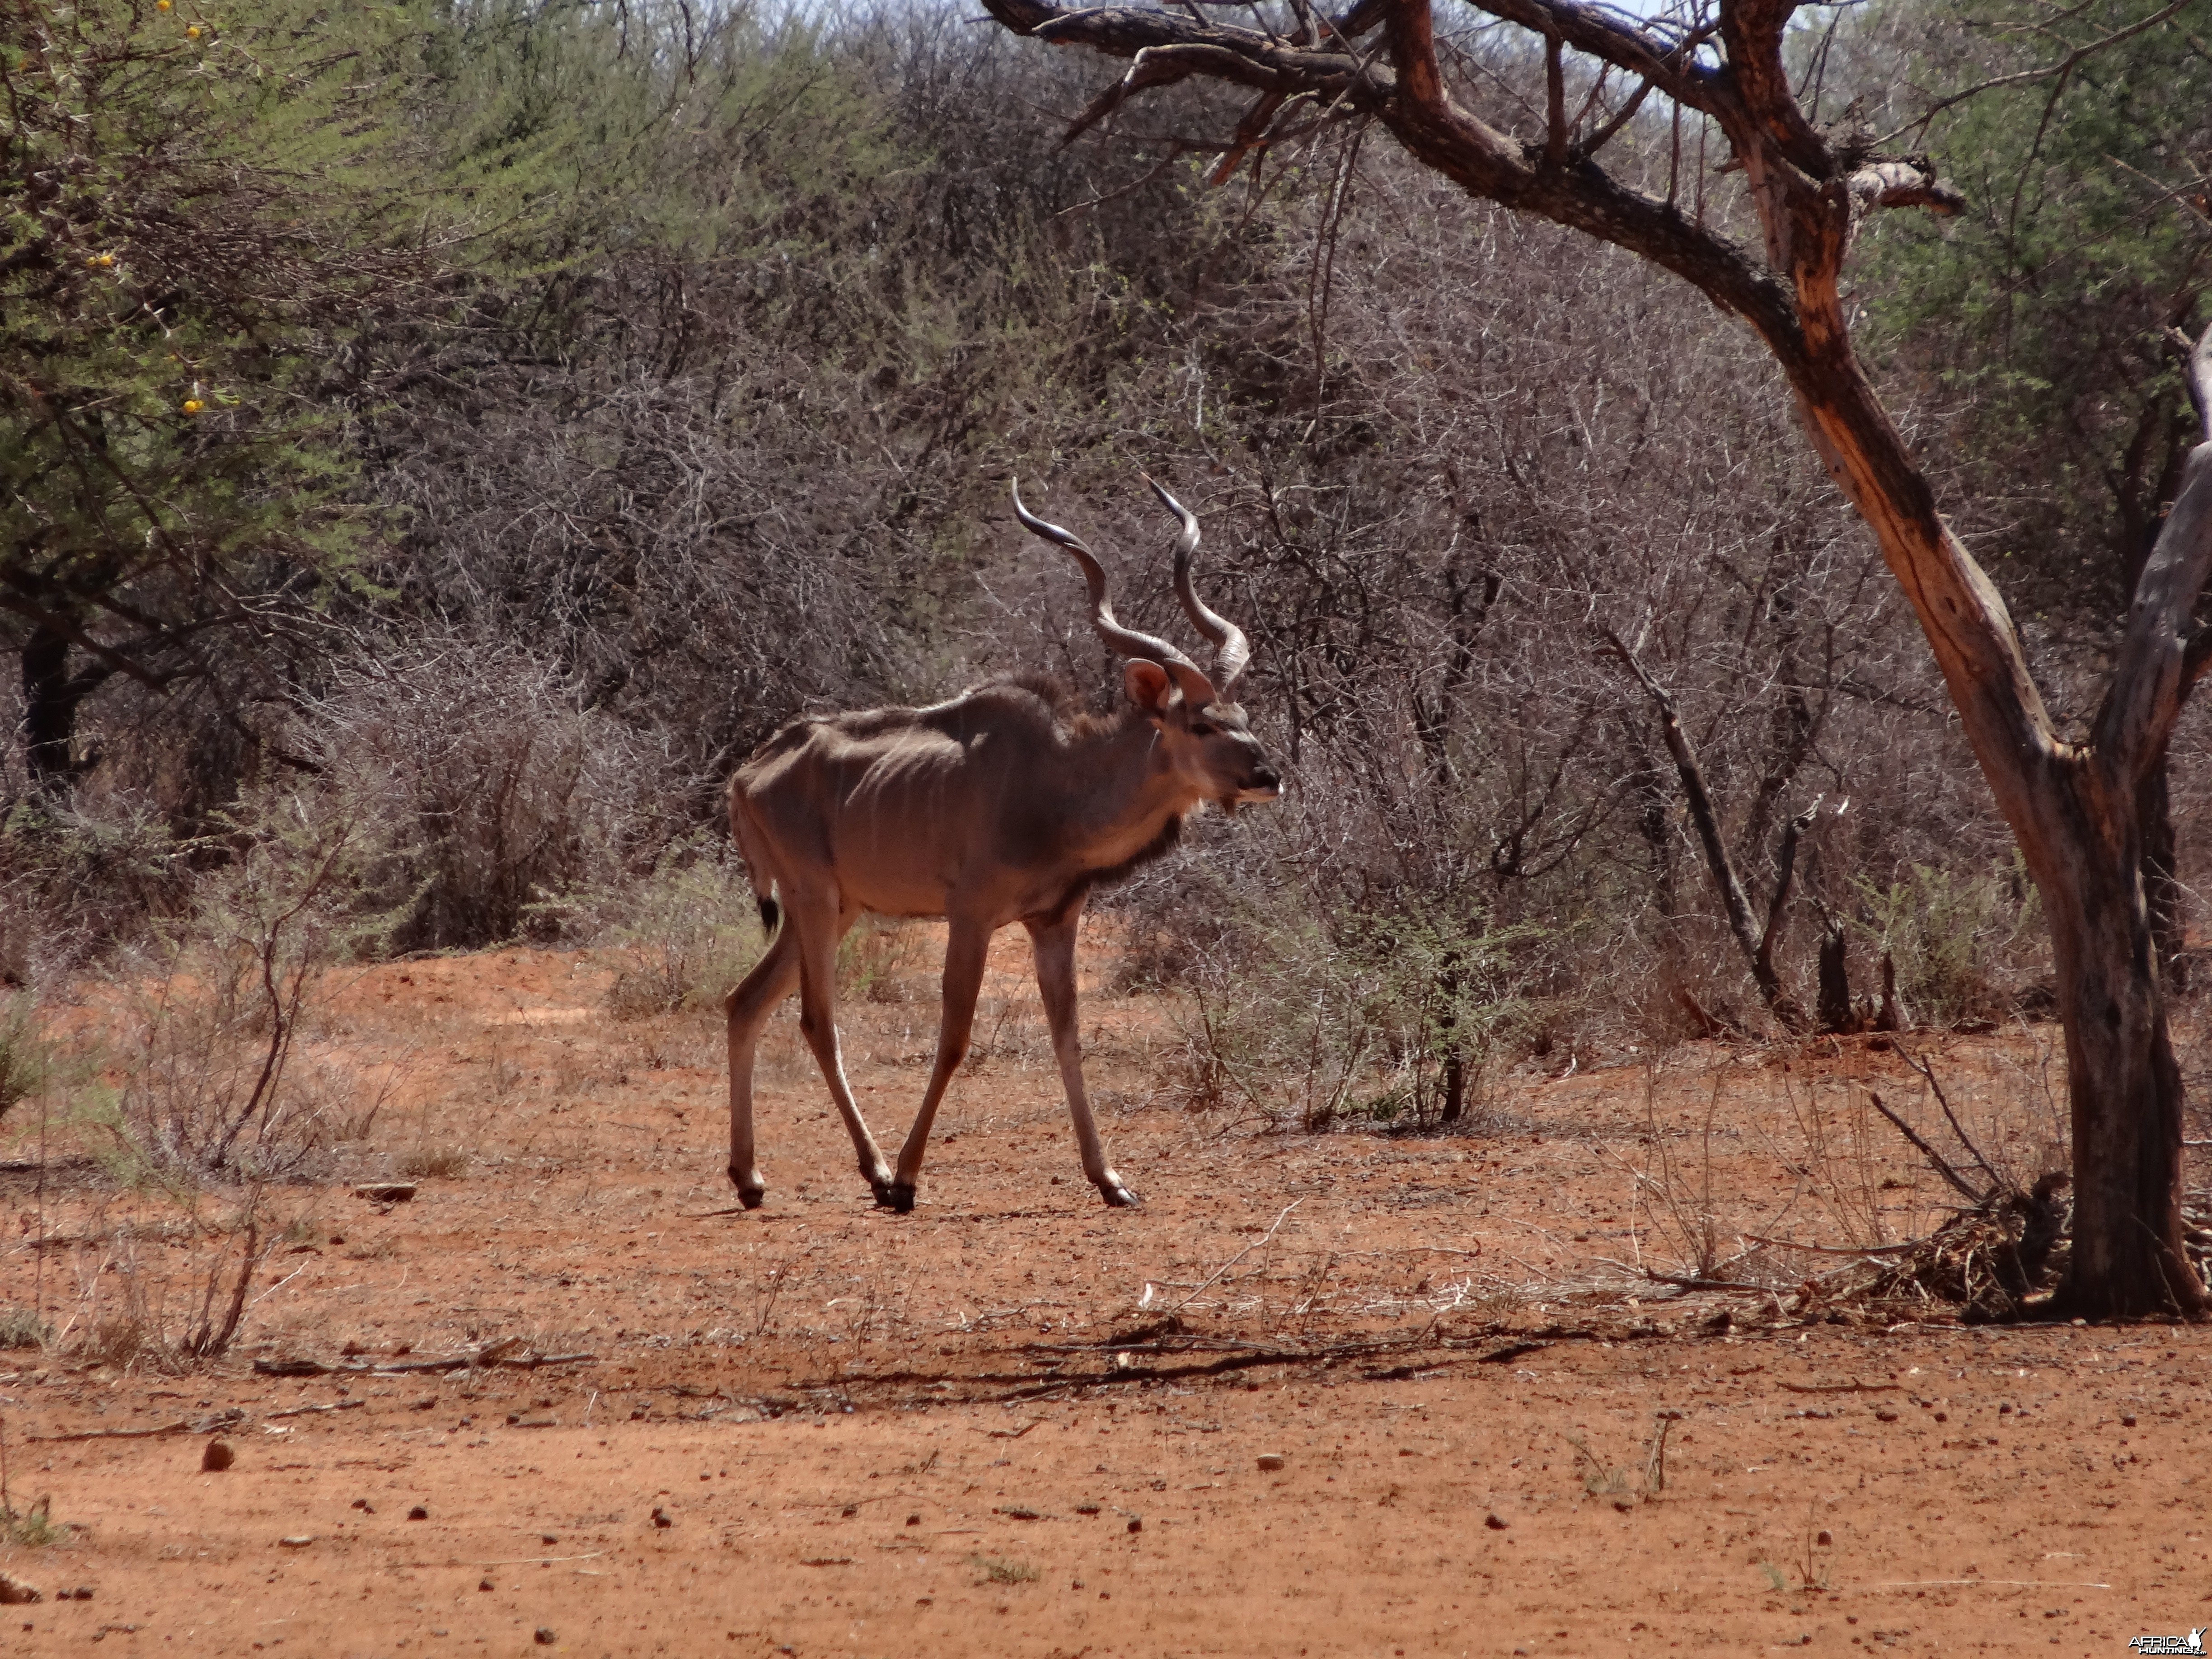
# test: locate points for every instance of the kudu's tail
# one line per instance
(750, 847)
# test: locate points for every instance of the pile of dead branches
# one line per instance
(1989, 1262)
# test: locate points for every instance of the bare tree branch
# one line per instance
(2131, 730)
(2196, 373)
(54, 622)
(2065, 66)
(1785, 875)
(1758, 950)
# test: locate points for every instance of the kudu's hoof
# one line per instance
(1119, 1197)
(751, 1197)
(893, 1196)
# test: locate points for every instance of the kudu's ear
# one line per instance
(1148, 685)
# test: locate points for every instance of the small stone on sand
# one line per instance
(1273, 1461)
(217, 1457)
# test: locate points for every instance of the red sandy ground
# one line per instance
(822, 1429)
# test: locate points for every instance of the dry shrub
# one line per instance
(25, 1056)
(77, 878)
(1309, 1017)
(876, 957)
(511, 793)
(1962, 939)
(1679, 1219)
(688, 931)
(22, 1328)
(207, 1014)
(1966, 1219)
(432, 1163)
(1985, 1263)
(160, 1298)
(691, 930)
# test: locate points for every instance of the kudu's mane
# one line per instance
(1066, 706)
(1057, 705)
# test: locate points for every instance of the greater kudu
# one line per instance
(998, 806)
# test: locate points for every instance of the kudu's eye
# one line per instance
(1202, 729)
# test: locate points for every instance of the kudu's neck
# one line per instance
(1121, 792)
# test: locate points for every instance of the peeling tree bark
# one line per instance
(2074, 808)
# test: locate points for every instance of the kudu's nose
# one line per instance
(1264, 779)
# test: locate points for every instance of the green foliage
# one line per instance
(1952, 936)
(195, 220)
(2041, 312)
(34, 1528)
(595, 144)
(26, 1056)
(1313, 1017)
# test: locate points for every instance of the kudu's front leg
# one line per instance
(749, 1007)
(964, 952)
(818, 933)
(1053, 943)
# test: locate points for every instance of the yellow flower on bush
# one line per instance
(193, 405)
(191, 31)
(161, 5)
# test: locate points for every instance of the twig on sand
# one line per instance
(1942, 1167)
(182, 1426)
(1943, 1100)
(499, 1353)
(1844, 1388)
(1832, 1250)
(517, 1561)
(1264, 1238)
(1989, 1584)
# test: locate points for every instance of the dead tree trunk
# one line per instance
(2162, 892)
(1838, 1018)
(49, 711)
(1892, 1015)
(1756, 943)
(2074, 807)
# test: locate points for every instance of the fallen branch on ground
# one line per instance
(182, 1425)
(483, 1359)
(1844, 1388)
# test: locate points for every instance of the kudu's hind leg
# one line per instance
(965, 948)
(749, 1007)
(1053, 943)
(817, 1020)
